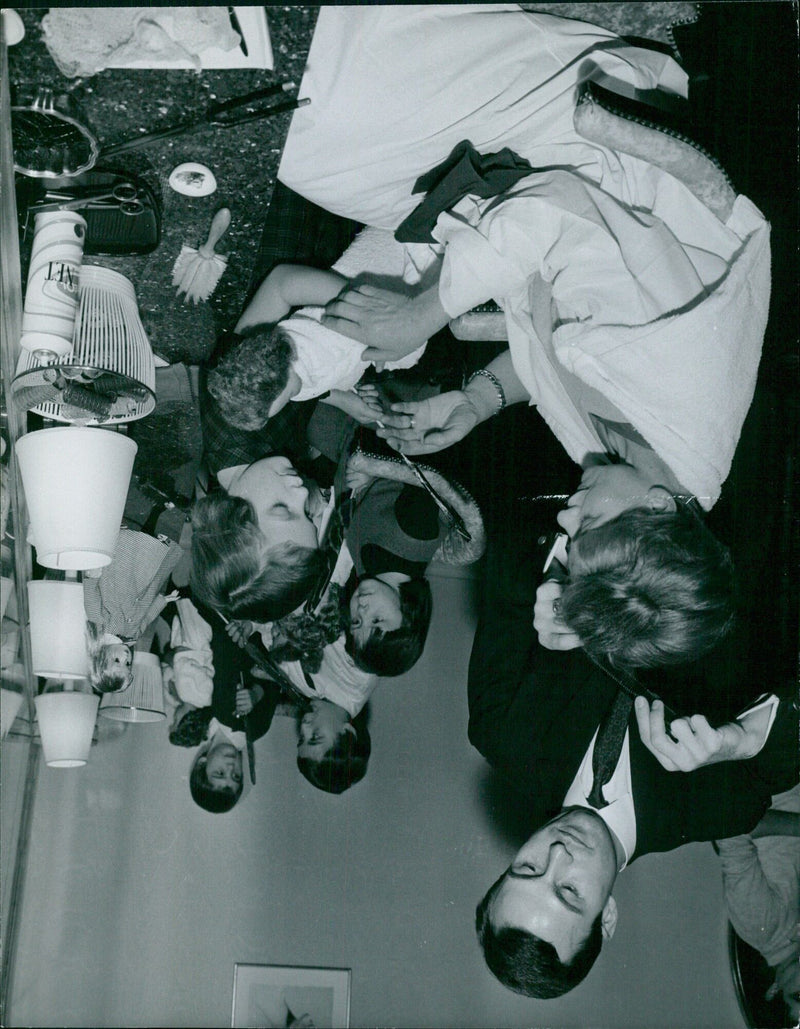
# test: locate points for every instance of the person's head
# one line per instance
(390, 615)
(110, 661)
(332, 748)
(541, 925)
(255, 378)
(255, 551)
(648, 584)
(216, 779)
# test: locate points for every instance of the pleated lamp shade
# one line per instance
(76, 481)
(66, 725)
(58, 629)
(143, 700)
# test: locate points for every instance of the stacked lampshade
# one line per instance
(76, 482)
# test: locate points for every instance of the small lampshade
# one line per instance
(76, 482)
(143, 700)
(66, 725)
(58, 629)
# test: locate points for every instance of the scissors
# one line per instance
(124, 196)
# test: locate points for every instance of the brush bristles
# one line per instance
(195, 275)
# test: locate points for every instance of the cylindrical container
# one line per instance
(143, 700)
(51, 296)
(76, 482)
(58, 629)
(66, 724)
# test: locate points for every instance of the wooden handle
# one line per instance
(219, 226)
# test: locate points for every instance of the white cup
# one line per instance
(51, 296)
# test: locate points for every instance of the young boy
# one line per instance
(297, 358)
(215, 706)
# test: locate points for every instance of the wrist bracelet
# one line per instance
(501, 396)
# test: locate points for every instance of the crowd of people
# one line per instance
(633, 285)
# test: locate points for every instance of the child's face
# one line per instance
(280, 498)
(118, 655)
(320, 727)
(224, 767)
(374, 605)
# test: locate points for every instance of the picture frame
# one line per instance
(267, 996)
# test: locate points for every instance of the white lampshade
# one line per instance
(58, 629)
(66, 725)
(76, 482)
(143, 700)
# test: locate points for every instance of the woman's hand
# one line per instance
(425, 426)
(390, 324)
(240, 631)
(552, 632)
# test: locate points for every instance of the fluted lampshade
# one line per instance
(66, 725)
(58, 629)
(76, 481)
(143, 700)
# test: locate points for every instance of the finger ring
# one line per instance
(412, 423)
(557, 607)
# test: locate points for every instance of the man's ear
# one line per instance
(659, 498)
(608, 919)
(227, 475)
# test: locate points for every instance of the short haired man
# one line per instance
(534, 715)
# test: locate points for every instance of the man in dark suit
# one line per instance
(533, 715)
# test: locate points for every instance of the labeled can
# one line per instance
(52, 292)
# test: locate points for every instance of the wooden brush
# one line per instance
(197, 272)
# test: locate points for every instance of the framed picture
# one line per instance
(273, 996)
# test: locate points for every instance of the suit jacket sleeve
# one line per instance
(532, 712)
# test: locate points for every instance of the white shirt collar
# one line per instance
(619, 814)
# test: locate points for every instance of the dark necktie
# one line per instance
(608, 745)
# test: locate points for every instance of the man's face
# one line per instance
(559, 882)
(280, 498)
(605, 492)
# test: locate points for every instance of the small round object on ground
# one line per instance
(192, 180)
(13, 26)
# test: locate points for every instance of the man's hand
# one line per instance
(244, 702)
(553, 633)
(240, 631)
(691, 743)
(390, 324)
(426, 426)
